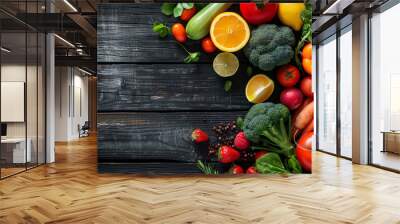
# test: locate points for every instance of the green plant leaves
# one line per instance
(168, 8)
(192, 57)
(161, 29)
(228, 85)
(270, 163)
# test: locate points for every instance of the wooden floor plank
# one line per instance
(71, 191)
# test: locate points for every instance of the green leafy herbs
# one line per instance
(228, 85)
(192, 57)
(174, 9)
(162, 29)
(168, 8)
(306, 32)
(270, 163)
(206, 168)
(294, 165)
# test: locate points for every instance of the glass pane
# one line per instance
(31, 98)
(327, 95)
(41, 99)
(13, 87)
(346, 93)
(385, 84)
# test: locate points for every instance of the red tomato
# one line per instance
(187, 14)
(288, 75)
(257, 16)
(306, 86)
(303, 151)
(179, 32)
(208, 46)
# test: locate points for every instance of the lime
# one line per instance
(226, 64)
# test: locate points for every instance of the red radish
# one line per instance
(227, 154)
(236, 169)
(306, 86)
(292, 98)
(251, 170)
(259, 154)
(199, 136)
(241, 142)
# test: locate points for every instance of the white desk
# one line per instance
(18, 144)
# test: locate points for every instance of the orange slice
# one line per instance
(229, 32)
(259, 88)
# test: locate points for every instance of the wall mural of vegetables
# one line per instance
(274, 39)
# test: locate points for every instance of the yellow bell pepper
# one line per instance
(290, 14)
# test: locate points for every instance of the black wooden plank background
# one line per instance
(166, 87)
(149, 101)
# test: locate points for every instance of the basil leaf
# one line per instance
(270, 163)
(178, 10)
(228, 85)
(161, 29)
(168, 8)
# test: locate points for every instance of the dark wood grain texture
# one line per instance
(125, 36)
(166, 87)
(149, 101)
(152, 136)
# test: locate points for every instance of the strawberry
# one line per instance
(227, 154)
(260, 154)
(235, 169)
(241, 142)
(251, 170)
(199, 136)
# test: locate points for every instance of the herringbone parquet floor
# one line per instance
(71, 191)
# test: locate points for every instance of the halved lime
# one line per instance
(226, 64)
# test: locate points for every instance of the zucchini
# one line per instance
(199, 26)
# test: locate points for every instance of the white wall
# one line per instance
(71, 102)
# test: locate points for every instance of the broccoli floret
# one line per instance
(270, 46)
(270, 124)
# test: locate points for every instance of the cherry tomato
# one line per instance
(257, 16)
(187, 14)
(208, 46)
(179, 32)
(307, 58)
(288, 75)
(303, 151)
(306, 86)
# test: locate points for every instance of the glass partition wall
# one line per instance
(22, 98)
(334, 94)
(385, 89)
